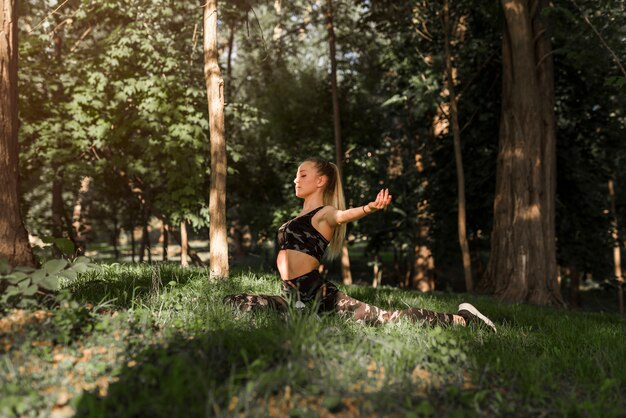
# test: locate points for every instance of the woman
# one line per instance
(303, 240)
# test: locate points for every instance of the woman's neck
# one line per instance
(312, 202)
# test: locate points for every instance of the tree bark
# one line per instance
(133, 244)
(458, 157)
(218, 245)
(14, 244)
(574, 289)
(345, 256)
(184, 261)
(57, 205)
(522, 264)
(165, 236)
(80, 215)
(617, 260)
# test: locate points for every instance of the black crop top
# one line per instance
(299, 234)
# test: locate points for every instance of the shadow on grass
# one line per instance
(125, 285)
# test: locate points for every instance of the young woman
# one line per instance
(303, 240)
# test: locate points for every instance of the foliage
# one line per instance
(114, 90)
(26, 286)
(175, 349)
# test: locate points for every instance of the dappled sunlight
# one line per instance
(516, 7)
(531, 213)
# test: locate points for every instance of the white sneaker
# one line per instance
(468, 312)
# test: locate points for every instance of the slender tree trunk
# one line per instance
(80, 215)
(133, 243)
(218, 243)
(14, 244)
(145, 242)
(617, 260)
(423, 269)
(165, 235)
(460, 175)
(57, 205)
(574, 288)
(522, 264)
(345, 256)
(114, 238)
(184, 261)
(376, 272)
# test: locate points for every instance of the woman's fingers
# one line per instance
(383, 198)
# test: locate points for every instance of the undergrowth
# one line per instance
(156, 340)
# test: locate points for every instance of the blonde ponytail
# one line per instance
(333, 196)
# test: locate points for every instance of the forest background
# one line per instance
(114, 127)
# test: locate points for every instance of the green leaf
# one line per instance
(5, 267)
(38, 275)
(79, 267)
(12, 291)
(66, 246)
(16, 276)
(50, 283)
(23, 284)
(54, 266)
(82, 259)
(25, 269)
(69, 274)
(396, 98)
(30, 291)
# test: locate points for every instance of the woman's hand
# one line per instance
(383, 199)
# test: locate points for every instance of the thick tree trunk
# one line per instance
(522, 264)
(460, 175)
(345, 256)
(14, 244)
(218, 245)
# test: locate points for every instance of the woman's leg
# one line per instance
(370, 314)
(249, 303)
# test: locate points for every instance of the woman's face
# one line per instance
(307, 179)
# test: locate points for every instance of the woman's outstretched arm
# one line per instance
(337, 217)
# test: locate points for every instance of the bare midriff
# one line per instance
(292, 264)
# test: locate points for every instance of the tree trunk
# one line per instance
(456, 131)
(80, 215)
(377, 273)
(133, 244)
(165, 236)
(184, 261)
(218, 243)
(14, 244)
(229, 63)
(114, 238)
(345, 256)
(574, 289)
(522, 264)
(617, 260)
(57, 205)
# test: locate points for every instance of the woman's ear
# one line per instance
(322, 181)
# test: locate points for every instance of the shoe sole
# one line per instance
(472, 309)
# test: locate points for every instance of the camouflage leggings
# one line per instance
(312, 286)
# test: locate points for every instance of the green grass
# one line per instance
(157, 341)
